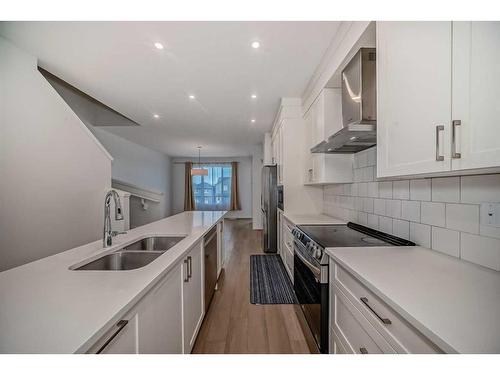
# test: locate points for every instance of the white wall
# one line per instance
(244, 183)
(53, 173)
(141, 166)
(441, 213)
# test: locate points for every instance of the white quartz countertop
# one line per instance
(312, 219)
(47, 308)
(453, 303)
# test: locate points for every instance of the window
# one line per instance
(213, 191)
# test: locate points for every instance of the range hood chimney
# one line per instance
(359, 107)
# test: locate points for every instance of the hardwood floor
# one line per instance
(232, 323)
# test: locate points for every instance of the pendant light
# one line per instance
(199, 171)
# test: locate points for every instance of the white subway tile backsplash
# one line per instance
(401, 228)
(363, 189)
(371, 157)
(393, 208)
(373, 221)
(462, 217)
(362, 159)
(481, 250)
(420, 190)
(385, 189)
(446, 241)
(373, 189)
(368, 174)
(354, 189)
(433, 213)
(440, 213)
(385, 224)
(482, 188)
(358, 175)
(420, 234)
(379, 206)
(401, 189)
(362, 218)
(410, 210)
(359, 203)
(368, 205)
(446, 189)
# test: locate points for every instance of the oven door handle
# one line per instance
(315, 270)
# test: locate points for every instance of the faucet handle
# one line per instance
(115, 233)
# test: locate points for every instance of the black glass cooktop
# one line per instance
(351, 235)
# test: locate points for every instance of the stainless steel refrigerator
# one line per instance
(269, 207)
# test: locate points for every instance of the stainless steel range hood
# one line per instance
(359, 107)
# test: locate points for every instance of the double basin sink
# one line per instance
(133, 256)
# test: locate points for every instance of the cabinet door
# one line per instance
(476, 92)
(281, 151)
(308, 156)
(414, 97)
(160, 317)
(192, 296)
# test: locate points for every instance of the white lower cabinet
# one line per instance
(360, 322)
(160, 317)
(192, 295)
(167, 319)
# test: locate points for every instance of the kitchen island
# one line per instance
(48, 308)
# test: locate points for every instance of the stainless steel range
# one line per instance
(311, 267)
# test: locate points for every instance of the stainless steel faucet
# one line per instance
(107, 239)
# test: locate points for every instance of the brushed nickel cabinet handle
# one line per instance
(363, 350)
(186, 262)
(383, 320)
(439, 157)
(190, 267)
(119, 326)
(454, 153)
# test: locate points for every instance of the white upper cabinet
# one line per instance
(414, 97)
(323, 119)
(326, 115)
(438, 89)
(277, 152)
(476, 95)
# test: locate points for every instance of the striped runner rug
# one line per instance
(269, 281)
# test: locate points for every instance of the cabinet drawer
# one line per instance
(396, 330)
(353, 331)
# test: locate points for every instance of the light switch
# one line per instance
(490, 214)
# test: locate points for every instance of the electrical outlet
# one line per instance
(490, 214)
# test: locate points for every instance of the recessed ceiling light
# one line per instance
(255, 45)
(192, 97)
(158, 45)
(156, 116)
(254, 96)
(252, 120)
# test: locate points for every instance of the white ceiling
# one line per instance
(116, 63)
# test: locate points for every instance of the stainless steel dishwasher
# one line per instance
(210, 246)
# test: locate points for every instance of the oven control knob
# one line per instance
(318, 253)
